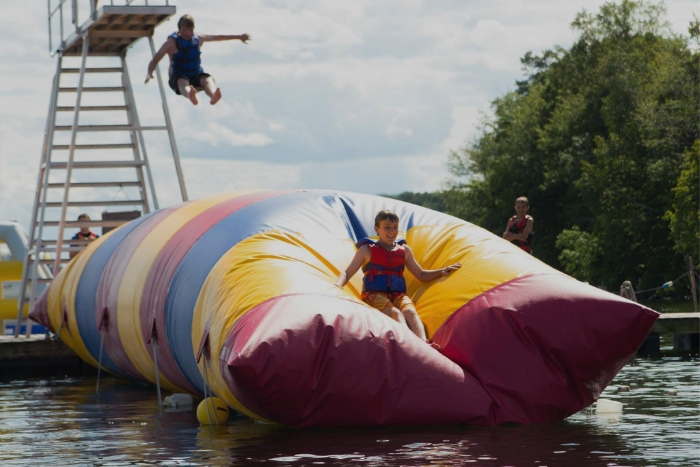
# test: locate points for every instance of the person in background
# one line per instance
(83, 234)
(520, 228)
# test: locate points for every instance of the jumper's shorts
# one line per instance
(194, 81)
(381, 300)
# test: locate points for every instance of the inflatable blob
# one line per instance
(234, 295)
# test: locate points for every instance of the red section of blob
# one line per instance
(544, 346)
(40, 311)
(312, 360)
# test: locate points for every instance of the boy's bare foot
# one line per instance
(193, 95)
(215, 98)
(434, 345)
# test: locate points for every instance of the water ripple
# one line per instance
(63, 422)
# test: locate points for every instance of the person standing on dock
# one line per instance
(520, 227)
(186, 73)
(83, 234)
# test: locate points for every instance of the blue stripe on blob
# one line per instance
(310, 213)
(87, 293)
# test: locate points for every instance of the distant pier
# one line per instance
(685, 329)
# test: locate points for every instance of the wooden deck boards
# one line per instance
(115, 28)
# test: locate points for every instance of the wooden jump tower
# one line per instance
(99, 153)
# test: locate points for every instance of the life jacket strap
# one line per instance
(376, 272)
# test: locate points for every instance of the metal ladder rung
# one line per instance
(90, 108)
(94, 184)
(98, 164)
(78, 224)
(109, 127)
(96, 203)
(43, 281)
(94, 146)
(92, 70)
(68, 245)
(46, 245)
(94, 89)
(60, 260)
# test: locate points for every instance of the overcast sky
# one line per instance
(365, 96)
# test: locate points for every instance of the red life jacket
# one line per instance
(88, 236)
(384, 272)
(518, 227)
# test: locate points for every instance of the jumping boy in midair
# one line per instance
(383, 262)
(186, 73)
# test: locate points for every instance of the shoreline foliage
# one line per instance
(603, 138)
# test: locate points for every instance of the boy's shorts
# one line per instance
(381, 300)
(194, 81)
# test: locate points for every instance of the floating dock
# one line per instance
(685, 329)
(37, 355)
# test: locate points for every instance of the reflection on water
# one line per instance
(62, 421)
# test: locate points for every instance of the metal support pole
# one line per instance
(133, 117)
(41, 185)
(71, 155)
(169, 125)
(207, 391)
(50, 38)
(99, 361)
(693, 289)
(155, 360)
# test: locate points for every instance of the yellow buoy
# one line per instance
(212, 411)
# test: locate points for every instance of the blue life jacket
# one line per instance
(384, 272)
(186, 61)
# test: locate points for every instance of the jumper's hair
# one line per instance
(186, 20)
(385, 215)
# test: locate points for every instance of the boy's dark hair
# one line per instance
(522, 199)
(385, 215)
(186, 20)
(83, 216)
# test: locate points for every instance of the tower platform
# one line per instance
(113, 29)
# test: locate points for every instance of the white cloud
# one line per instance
(216, 134)
(464, 125)
(276, 126)
(206, 177)
(394, 129)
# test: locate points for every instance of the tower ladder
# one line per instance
(100, 154)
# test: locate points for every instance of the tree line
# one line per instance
(603, 138)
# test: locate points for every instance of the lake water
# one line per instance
(61, 421)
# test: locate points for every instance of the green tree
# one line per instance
(578, 253)
(595, 137)
(684, 217)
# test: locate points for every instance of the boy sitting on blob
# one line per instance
(383, 262)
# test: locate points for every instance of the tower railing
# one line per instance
(66, 17)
